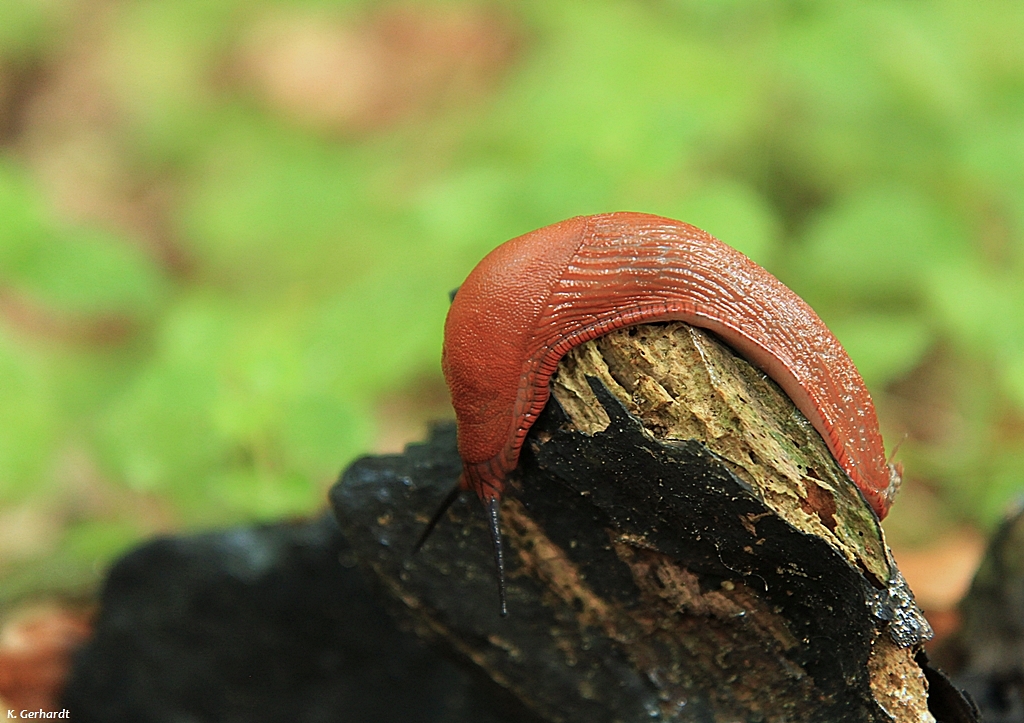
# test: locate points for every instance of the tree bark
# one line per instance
(680, 545)
(986, 654)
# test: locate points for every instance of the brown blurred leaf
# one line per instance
(36, 645)
(941, 573)
(355, 75)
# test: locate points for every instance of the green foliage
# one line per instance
(885, 347)
(248, 433)
(869, 153)
(879, 243)
(74, 270)
(23, 26)
(28, 423)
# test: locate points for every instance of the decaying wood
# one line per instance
(986, 654)
(682, 547)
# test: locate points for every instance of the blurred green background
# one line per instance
(228, 229)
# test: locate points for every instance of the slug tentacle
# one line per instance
(445, 505)
(499, 554)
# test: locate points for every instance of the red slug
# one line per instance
(535, 297)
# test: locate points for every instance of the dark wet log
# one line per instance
(681, 546)
(262, 624)
(986, 654)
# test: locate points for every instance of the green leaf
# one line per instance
(67, 270)
(259, 494)
(881, 242)
(226, 421)
(1013, 375)
(980, 307)
(97, 542)
(88, 272)
(472, 207)
(29, 420)
(380, 333)
(159, 434)
(1001, 489)
(319, 433)
(271, 208)
(22, 228)
(618, 88)
(884, 347)
(23, 26)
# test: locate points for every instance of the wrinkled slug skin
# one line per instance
(535, 297)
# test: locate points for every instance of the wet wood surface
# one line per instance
(680, 546)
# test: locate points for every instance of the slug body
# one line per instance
(537, 296)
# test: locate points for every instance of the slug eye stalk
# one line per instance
(493, 518)
(499, 554)
(436, 517)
